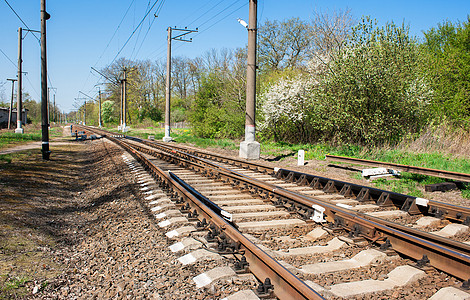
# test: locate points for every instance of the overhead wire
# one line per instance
(159, 50)
(205, 12)
(32, 86)
(156, 14)
(138, 34)
(235, 2)
(132, 34)
(21, 19)
(195, 12)
(8, 58)
(37, 38)
(115, 31)
(215, 23)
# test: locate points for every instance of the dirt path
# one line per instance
(75, 227)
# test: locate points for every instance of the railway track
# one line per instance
(274, 218)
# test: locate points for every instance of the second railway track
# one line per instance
(303, 224)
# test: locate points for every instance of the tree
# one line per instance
(283, 44)
(377, 89)
(330, 31)
(371, 90)
(219, 105)
(108, 112)
(449, 49)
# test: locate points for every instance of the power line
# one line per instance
(218, 21)
(159, 50)
(21, 19)
(194, 12)
(140, 23)
(207, 11)
(32, 86)
(157, 12)
(8, 58)
(114, 34)
(221, 12)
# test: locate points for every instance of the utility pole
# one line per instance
(99, 111)
(44, 121)
(10, 112)
(54, 111)
(84, 113)
(124, 102)
(20, 83)
(249, 148)
(51, 108)
(185, 31)
(48, 106)
(84, 106)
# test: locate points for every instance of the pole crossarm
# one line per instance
(111, 81)
(86, 95)
(30, 30)
(185, 32)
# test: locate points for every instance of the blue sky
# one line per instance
(79, 32)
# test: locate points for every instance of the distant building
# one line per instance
(4, 117)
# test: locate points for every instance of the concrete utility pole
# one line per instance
(10, 112)
(44, 121)
(120, 127)
(49, 107)
(84, 112)
(99, 111)
(54, 110)
(167, 137)
(185, 31)
(249, 148)
(84, 106)
(124, 104)
(20, 83)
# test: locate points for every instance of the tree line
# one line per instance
(328, 79)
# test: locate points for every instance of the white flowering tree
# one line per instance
(374, 90)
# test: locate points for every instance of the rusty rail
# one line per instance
(286, 285)
(404, 168)
(411, 204)
(444, 254)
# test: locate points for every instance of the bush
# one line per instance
(377, 90)
(373, 91)
(214, 115)
(449, 49)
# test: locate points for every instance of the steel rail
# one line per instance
(404, 168)
(412, 243)
(411, 204)
(444, 254)
(286, 285)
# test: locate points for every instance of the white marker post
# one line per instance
(301, 158)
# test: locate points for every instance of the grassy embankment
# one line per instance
(32, 133)
(430, 156)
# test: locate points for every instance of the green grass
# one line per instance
(15, 283)
(9, 138)
(12, 287)
(186, 137)
(408, 183)
(180, 135)
(32, 134)
(317, 151)
(6, 158)
(428, 160)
